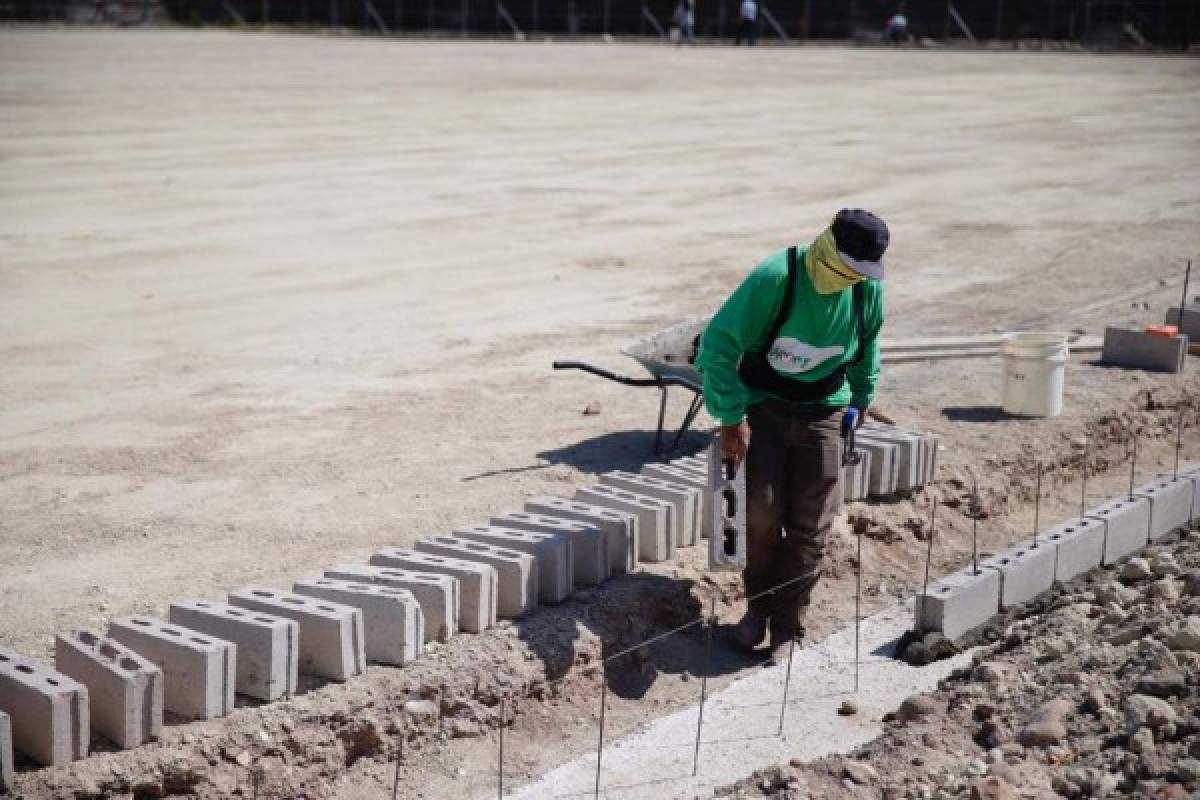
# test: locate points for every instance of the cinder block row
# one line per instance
(516, 572)
(1026, 570)
(392, 621)
(6, 753)
(199, 671)
(1079, 547)
(477, 583)
(125, 690)
(685, 502)
(1171, 503)
(554, 554)
(688, 478)
(436, 594)
(959, 602)
(653, 518)
(268, 657)
(590, 563)
(727, 538)
(619, 527)
(1141, 350)
(48, 711)
(1127, 526)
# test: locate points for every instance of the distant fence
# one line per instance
(1161, 24)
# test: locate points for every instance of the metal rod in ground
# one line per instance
(603, 703)
(708, 637)
(399, 759)
(1037, 504)
(1132, 463)
(500, 762)
(787, 680)
(929, 549)
(1187, 277)
(1178, 438)
(974, 525)
(1083, 481)
(857, 609)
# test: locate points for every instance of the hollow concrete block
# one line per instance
(6, 753)
(1140, 350)
(683, 477)
(588, 543)
(883, 476)
(699, 461)
(125, 690)
(1127, 526)
(1189, 322)
(477, 582)
(959, 602)
(932, 445)
(48, 711)
(393, 623)
(1080, 547)
(653, 531)
(516, 572)
(1170, 504)
(727, 538)
(909, 448)
(685, 501)
(554, 553)
(855, 477)
(199, 671)
(331, 634)
(619, 527)
(1026, 570)
(437, 594)
(268, 646)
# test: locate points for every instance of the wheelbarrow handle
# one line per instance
(666, 380)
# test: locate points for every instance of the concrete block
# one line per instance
(683, 477)
(393, 623)
(884, 475)
(1170, 504)
(477, 582)
(268, 646)
(959, 602)
(588, 543)
(1141, 350)
(908, 453)
(516, 572)
(653, 531)
(727, 539)
(1189, 324)
(125, 690)
(6, 754)
(698, 461)
(619, 527)
(437, 594)
(1025, 571)
(931, 446)
(1080, 547)
(856, 477)
(199, 671)
(48, 711)
(331, 634)
(684, 500)
(1127, 526)
(691, 465)
(554, 553)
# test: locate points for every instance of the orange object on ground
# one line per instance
(1163, 330)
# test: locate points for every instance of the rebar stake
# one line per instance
(1187, 276)
(500, 764)
(975, 525)
(929, 550)
(1037, 504)
(787, 680)
(857, 609)
(1178, 439)
(399, 759)
(1132, 463)
(1083, 481)
(712, 623)
(603, 703)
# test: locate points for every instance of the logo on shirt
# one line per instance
(793, 356)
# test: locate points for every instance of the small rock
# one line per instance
(1164, 589)
(1094, 700)
(1142, 711)
(242, 759)
(917, 706)
(422, 709)
(992, 787)
(1142, 742)
(1165, 683)
(848, 708)
(1164, 565)
(1136, 569)
(975, 768)
(1048, 724)
(1187, 636)
(464, 729)
(1187, 770)
(591, 409)
(860, 773)
(1191, 583)
(989, 672)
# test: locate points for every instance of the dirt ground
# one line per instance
(268, 302)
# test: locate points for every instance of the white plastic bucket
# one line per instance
(1035, 365)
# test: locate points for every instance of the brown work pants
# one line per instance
(792, 474)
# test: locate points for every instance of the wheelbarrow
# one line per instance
(668, 356)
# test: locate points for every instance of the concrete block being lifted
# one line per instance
(516, 572)
(684, 500)
(653, 515)
(1141, 350)
(48, 711)
(554, 553)
(588, 544)
(909, 449)
(883, 476)
(690, 479)
(959, 602)
(6, 754)
(727, 538)
(855, 478)
(477, 582)
(331, 634)
(125, 690)
(1127, 526)
(1189, 323)
(393, 624)
(199, 671)
(268, 646)
(1080, 547)
(1026, 570)
(437, 594)
(619, 527)
(1170, 504)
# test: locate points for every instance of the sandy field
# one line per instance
(268, 302)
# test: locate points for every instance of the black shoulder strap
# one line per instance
(860, 314)
(785, 308)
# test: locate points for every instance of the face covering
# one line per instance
(826, 269)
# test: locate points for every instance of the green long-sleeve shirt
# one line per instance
(819, 334)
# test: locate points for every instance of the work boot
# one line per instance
(750, 630)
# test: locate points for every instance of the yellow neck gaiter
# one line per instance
(826, 269)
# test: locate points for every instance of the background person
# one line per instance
(747, 23)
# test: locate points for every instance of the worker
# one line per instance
(793, 346)
(747, 23)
